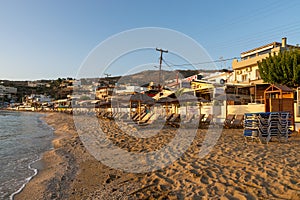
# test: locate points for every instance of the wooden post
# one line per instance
(139, 110)
(130, 109)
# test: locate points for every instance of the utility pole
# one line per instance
(160, 62)
(107, 75)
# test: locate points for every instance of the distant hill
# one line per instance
(147, 76)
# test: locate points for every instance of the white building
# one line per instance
(4, 90)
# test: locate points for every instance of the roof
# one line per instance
(262, 47)
(283, 88)
(142, 98)
(267, 46)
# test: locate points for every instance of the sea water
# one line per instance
(23, 139)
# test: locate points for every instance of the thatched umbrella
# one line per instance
(185, 98)
(120, 100)
(141, 99)
(166, 101)
(105, 105)
(201, 100)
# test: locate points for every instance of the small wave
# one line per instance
(11, 197)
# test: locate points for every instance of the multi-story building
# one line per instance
(104, 92)
(246, 72)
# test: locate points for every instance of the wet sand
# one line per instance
(232, 170)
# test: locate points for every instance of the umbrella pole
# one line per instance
(130, 109)
(139, 110)
(167, 109)
(200, 107)
(186, 109)
(226, 109)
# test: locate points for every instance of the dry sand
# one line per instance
(232, 170)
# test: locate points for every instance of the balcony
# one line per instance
(248, 62)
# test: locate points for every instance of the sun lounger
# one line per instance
(251, 127)
(112, 116)
(169, 116)
(201, 119)
(284, 126)
(237, 122)
(207, 121)
(268, 126)
(228, 121)
(153, 118)
(175, 120)
(145, 118)
(189, 118)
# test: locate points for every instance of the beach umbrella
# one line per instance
(105, 105)
(141, 99)
(120, 101)
(186, 98)
(166, 101)
(201, 100)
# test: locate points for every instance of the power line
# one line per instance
(166, 63)
(198, 63)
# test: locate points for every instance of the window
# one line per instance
(257, 74)
(244, 77)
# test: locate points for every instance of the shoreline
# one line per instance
(233, 169)
(35, 170)
(38, 164)
(48, 162)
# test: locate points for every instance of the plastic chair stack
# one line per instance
(266, 126)
(284, 126)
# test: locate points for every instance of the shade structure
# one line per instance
(187, 98)
(121, 98)
(105, 104)
(142, 98)
(191, 98)
(164, 100)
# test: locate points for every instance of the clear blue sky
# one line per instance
(50, 39)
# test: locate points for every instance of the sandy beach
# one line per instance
(232, 170)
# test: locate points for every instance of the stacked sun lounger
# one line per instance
(251, 126)
(266, 126)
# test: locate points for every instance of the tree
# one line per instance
(282, 68)
(85, 98)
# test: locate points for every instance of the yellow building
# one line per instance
(104, 93)
(245, 70)
(202, 89)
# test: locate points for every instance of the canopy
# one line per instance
(143, 98)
